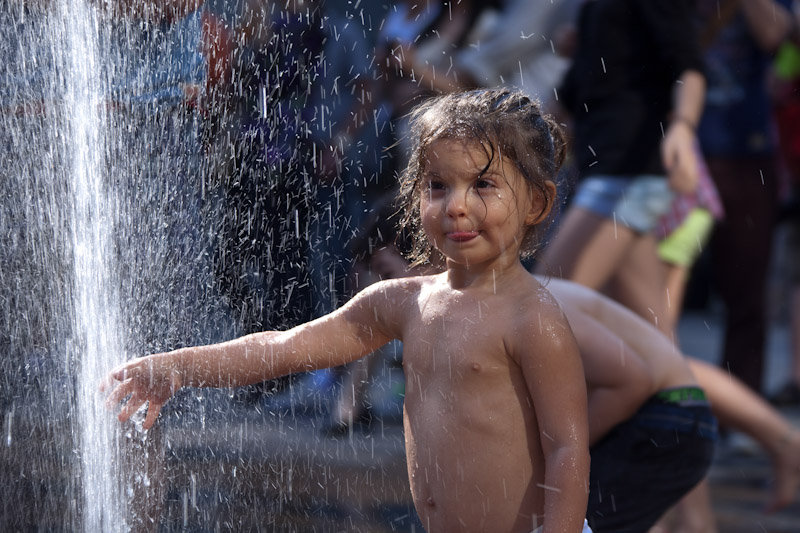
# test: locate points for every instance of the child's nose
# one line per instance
(456, 204)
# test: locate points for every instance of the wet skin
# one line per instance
(495, 410)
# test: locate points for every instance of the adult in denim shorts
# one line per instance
(635, 92)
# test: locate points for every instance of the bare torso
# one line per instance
(474, 458)
(667, 366)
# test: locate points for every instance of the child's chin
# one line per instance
(462, 260)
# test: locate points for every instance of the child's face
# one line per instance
(475, 219)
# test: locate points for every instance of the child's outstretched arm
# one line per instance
(365, 323)
(551, 365)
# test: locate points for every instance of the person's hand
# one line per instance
(679, 157)
(153, 379)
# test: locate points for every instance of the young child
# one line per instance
(631, 370)
(651, 429)
(632, 374)
(495, 410)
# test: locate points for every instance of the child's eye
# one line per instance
(435, 185)
(483, 184)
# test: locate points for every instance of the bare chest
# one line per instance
(458, 341)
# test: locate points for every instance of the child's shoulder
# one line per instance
(569, 293)
(386, 304)
(537, 297)
(399, 289)
(539, 318)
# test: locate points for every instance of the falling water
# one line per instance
(97, 333)
(106, 256)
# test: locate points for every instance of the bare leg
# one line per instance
(690, 515)
(639, 283)
(676, 279)
(587, 249)
(739, 407)
(695, 512)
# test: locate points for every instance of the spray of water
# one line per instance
(97, 341)
(106, 256)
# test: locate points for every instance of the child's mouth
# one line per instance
(462, 236)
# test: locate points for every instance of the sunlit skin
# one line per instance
(476, 221)
(626, 360)
(495, 409)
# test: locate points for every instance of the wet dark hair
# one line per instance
(508, 125)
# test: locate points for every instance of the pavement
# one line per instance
(741, 472)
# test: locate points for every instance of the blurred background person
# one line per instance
(634, 93)
(737, 138)
(520, 43)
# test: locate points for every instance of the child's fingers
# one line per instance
(119, 373)
(116, 374)
(106, 383)
(153, 409)
(119, 392)
(133, 405)
(123, 371)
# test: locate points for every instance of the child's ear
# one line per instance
(541, 203)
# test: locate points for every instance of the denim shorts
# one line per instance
(636, 202)
(647, 463)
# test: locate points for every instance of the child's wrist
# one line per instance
(179, 362)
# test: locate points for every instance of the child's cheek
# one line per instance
(428, 212)
(430, 222)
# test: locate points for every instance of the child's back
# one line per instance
(664, 364)
(651, 427)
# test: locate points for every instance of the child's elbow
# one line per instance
(570, 452)
(574, 457)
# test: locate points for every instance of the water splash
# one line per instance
(96, 200)
(96, 342)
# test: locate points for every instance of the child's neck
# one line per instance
(489, 278)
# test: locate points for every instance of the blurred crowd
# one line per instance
(304, 123)
(257, 146)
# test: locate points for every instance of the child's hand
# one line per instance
(153, 379)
